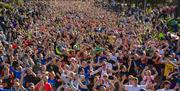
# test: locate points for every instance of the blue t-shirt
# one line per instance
(16, 73)
(52, 82)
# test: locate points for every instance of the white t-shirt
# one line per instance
(132, 88)
(165, 90)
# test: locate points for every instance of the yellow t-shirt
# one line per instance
(168, 68)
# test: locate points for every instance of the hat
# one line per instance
(31, 84)
(166, 82)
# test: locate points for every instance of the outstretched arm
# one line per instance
(172, 63)
(94, 72)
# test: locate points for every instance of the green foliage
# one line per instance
(12, 2)
(17, 2)
(5, 5)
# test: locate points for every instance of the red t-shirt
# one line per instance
(47, 87)
(14, 46)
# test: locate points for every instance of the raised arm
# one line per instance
(143, 72)
(59, 64)
(129, 64)
(156, 73)
(74, 86)
(21, 82)
(121, 85)
(95, 85)
(112, 87)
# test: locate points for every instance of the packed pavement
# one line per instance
(75, 46)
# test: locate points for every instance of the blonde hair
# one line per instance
(149, 72)
(52, 73)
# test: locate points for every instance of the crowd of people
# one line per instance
(76, 46)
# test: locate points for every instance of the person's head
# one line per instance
(43, 67)
(29, 70)
(166, 84)
(123, 68)
(102, 88)
(51, 75)
(39, 64)
(81, 71)
(19, 68)
(6, 70)
(15, 57)
(130, 77)
(16, 85)
(84, 64)
(134, 81)
(72, 75)
(148, 73)
(45, 78)
(105, 76)
(31, 87)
